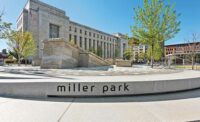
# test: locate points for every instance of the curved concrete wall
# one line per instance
(43, 89)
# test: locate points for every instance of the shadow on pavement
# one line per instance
(37, 74)
(121, 99)
(18, 78)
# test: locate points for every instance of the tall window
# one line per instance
(90, 43)
(80, 41)
(53, 31)
(70, 28)
(75, 29)
(75, 39)
(70, 37)
(85, 43)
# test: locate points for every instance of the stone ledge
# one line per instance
(56, 87)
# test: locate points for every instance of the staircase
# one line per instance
(59, 54)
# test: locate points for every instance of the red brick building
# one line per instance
(181, 51)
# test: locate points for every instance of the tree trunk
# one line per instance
(26, 61)
(152, 56)
(18, 62)
(192, 62)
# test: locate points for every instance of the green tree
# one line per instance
(155, 23)
(157, 55)
(4, 26)
(128, 54)
(193, 44)
(141, 56)
(21, 44)
(99, 51)
(117, 52)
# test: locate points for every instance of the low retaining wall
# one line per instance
(42, 89)
(123, 63)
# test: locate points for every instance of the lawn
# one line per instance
(196, 67)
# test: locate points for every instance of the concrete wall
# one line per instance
(123, 63)
(58, 53)
(48, 87)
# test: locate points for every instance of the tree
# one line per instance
(154, 24)
(21, 43)
(4, 51)
(156, 55)
(192, 48)
(141, 56)
(128, 54)
(117, 52)
(4, 26)
(99, 51)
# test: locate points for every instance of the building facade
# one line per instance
(182, 52)
(45, 21)
(121, 45)
(182, 49)
(138, 50)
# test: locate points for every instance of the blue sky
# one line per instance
(110, 16)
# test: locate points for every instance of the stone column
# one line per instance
(95, 45)
(83, 43)
(109, 50)
(103, 54)
(88, 47)
(112, 50)
(106, 50)
(77, 41)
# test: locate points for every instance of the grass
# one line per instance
(196, 67)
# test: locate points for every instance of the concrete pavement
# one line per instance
(182, 106)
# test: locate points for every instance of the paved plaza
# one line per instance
(179, 106)
(183, 106)
(92, 71)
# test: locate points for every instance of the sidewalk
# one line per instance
(183, 106)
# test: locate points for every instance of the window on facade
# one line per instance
(70, 28)
(85, 43)
(101, 36)
(89, 43)
(85, 32)
(75, 39)
(80, 31)
(80, 42)
(97, 35)
(93, 34)
(53, 31)
(93, 44)
(70, 37)
(89, 33)
(75, 30)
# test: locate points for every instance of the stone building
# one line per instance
(139, 49)
(45, 22)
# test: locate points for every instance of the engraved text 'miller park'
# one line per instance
(78, 87)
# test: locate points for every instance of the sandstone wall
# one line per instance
(58, 54)
(123, 63)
